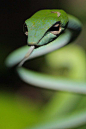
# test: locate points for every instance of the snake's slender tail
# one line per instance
(26, 56)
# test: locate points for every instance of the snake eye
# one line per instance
(55, 29)
(25, 29)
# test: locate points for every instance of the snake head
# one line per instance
(45, 26)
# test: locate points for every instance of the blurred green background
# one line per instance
(22, 105)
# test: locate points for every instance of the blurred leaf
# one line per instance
(16, 112)
(71, 57)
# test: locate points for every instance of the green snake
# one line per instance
(47, 30)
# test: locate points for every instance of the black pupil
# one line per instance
(55, 27)
(25, 28)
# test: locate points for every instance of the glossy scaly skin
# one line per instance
(38, 26)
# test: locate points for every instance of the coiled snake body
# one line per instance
(47, 30)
